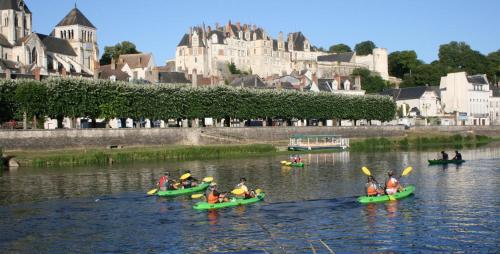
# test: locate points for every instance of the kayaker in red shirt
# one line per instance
(163, 182)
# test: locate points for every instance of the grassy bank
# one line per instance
(420, 142)
(107, 156)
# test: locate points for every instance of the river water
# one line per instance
(307, 210)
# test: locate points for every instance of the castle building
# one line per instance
(70, 49)
(208, 51)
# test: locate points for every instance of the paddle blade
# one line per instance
(283, 162)
(238, 192)
(152, 192)
(208, 179)
(288, 163)
(366, 171)
(258, 191)
(392, 198)
(195, 196)
(407, 171)
(185, 176)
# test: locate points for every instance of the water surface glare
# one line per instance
(105, 209)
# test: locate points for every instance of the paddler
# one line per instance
(213, 196)
(392, 185)
(163, 182)
(246, 193)
(444, 156)
(189, 181)
(372, 187)
(458, 156)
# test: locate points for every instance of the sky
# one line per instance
(157, 26)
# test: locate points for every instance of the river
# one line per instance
(307, 210)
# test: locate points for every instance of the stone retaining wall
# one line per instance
(89, 138)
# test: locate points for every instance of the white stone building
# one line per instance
(71, 48)
(207, 51)
(467, 96)
(421, 101)
(139, 66)
(495, 105)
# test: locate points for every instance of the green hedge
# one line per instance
(59, 98)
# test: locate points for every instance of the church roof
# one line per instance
(15, 5)
(75, 17)
(4, 42)
(408, 93)
(298, 41)
(56, 45)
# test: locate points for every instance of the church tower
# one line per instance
(82, 35)
(15, 23)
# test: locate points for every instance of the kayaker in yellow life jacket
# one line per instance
(246, 193)
(372, 187)
(392, 185)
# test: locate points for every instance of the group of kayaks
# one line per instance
(204, 205)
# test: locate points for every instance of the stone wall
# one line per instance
(89, 138)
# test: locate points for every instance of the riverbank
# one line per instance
(96, 156)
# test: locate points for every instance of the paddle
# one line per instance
(152, 192)
(366, 171)
(284, 162)
(185, 176)
(195, 196)
(208, 179)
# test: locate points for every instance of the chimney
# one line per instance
(140, 60)
(113, 64)
(36, 72)
(194, 79)
(216, 25)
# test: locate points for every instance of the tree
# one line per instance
(364, 48)
(494, 58)
(403, 62)
(233, 69)
(31, 97)
(458, 56)
(425, 74)
(113, 52)
(339, 48)
(370, 82)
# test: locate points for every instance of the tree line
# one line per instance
(104, 99)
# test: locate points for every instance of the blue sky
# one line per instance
(158, 25)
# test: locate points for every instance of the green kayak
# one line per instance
(439, 162)
(234, 202)
(405, 193)
(179, 192)
(293, 164)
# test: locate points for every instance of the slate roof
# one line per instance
(477, 79)
(134, 61)
(4, 42)
(75, 17)
(105, 72)
(340, 57)
(220, 36)
(7, 64)
(408, 93)
(250, 81)
(172, 77)
(298, 40)
(9, 5)
(56, 45)
(184, 41)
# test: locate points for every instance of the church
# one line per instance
(69, 50)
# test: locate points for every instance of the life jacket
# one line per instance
(392, 184)
(212, 199)
(163, 180)
(371, 190)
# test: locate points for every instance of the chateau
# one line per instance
(71, 48)
(207, 51)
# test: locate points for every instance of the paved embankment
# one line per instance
(92, 138)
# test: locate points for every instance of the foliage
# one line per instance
(403, 62)
(233, 69)
(113, 52)
(459, 56)
(7, 103)
(31, 97)
(425, 74)
(93, 99)
(339, 48)
(370, 82)
(364, 48)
